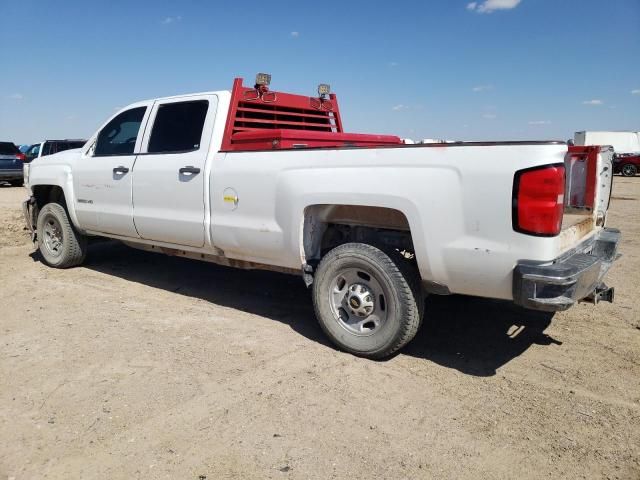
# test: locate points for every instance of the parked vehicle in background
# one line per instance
(626, 146)
(24, 148)
(11, 163)
(49, 147)
(253, 178)
(628, 164)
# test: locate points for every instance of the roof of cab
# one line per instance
(184, 95)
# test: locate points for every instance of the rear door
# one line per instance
(102, 176)
(168, 176)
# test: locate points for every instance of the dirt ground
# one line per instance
(138, 365)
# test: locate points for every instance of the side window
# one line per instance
(33, 151)
(119, 136)
(46, 148)
(178, 127)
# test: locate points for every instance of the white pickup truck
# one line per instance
(253, 178)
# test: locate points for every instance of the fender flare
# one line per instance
(64, 181)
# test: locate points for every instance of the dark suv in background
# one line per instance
(11, 163)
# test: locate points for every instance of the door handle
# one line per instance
(189, 170)
(121, 170)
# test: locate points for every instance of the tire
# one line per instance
(629, 170)
(16, 183)
(60, 245)
(367, 303)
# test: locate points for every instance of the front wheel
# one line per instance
(367, 303)
(60, 245)
(629, 170)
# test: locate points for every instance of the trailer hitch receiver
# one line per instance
(602, 293)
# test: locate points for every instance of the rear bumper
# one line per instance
(10, 174)
(577, 275)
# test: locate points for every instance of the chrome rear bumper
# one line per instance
(576, 276)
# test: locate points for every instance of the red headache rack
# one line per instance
(260, 119)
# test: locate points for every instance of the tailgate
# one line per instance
(589, 175)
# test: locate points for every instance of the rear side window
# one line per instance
(70, 145)
(8, 148)
(48, 149)
(178, 127)
(119, 136)
(62, 146)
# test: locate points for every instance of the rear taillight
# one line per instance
(538, 200)
(21, 156)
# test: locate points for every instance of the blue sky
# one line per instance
(491, 69)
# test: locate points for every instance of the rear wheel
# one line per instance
(60, 245)
(367, 303)
(629, 170)
(16, 183)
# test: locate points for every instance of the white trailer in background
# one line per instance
(621, 141)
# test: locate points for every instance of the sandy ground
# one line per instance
(139, 365)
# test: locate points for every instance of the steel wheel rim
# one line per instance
(52, 236)
(628, 170)
(359, 302)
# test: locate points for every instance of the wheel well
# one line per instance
(48, 194)
(327, 226)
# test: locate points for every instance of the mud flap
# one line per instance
(30, 217)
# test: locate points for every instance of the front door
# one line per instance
(102, 176)
(169, 177)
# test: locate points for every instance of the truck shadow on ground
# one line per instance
(476, 335)
(472, 335)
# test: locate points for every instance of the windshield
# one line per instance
(8, 148)
(33, 151)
